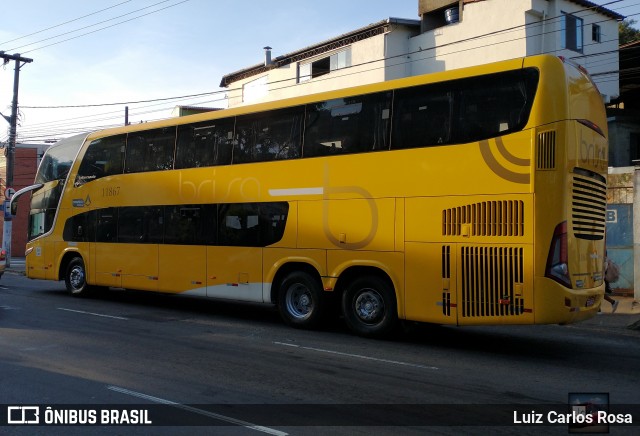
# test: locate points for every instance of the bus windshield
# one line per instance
(58, 159)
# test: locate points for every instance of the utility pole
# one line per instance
(11, 148)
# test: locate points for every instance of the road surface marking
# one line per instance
(91, 313)
(213, 415)
(357, 356)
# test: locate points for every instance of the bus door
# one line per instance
(182, 261)
(234, 264)
(183, 269)
(140, 231)
(126, 253)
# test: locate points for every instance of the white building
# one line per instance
(451, 34)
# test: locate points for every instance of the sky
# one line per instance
(101, 52)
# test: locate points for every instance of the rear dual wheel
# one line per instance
(369, 307)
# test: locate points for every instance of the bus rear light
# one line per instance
(558, 259)
(593, 126)
(3, 255)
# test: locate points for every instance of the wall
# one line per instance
(515, 28)
(620, 212)
(458, 45)
(26, 161)
(282, 82)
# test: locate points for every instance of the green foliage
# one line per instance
(627, 33)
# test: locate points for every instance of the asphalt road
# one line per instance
(225, 368)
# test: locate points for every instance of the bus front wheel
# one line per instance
(369, 307)
(300, 301)
(76, 278)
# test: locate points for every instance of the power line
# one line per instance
(493, 33)
(62, 24)
(531, 25)
(123, 103)
(100, 29)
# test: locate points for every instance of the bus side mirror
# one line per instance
(13, 204)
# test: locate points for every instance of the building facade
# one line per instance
(371, 54)
(27, 159)
(451, 34)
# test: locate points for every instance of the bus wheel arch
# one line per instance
(297, 292)
(74, 273)
(369, 301)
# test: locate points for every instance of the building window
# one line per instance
(325, 65)
(596, 34)
(571, 32)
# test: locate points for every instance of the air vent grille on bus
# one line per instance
(588, 207)
(490, 277)
(488, 218)
(546, 157)
(446, 276)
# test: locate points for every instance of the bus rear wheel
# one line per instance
(369, 307)
(300, 300)
(76, 278)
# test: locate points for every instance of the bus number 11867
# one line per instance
(111, 191)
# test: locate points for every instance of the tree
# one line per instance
(627, 33)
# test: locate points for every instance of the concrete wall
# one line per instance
(368, 66)
(495, 30)
(26, 161)
(489, 31)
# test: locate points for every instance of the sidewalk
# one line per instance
(17, 265)
(626, 306)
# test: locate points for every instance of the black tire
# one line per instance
(369, 307)
(75, 278)
(300, 300)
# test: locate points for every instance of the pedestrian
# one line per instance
(611, 275)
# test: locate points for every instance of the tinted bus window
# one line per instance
(422, 116)
(106, 225)
(494, 104)
(273, 220)
(348, 125)
(104, 157)
(150, 150)
(190, 224)
(239, 225)
(80, 228)
(140, 225)
(274, 135)
(205, 144)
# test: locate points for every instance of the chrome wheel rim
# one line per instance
(369, 306)
(76, 277)
(299, 301)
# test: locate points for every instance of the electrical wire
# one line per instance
(275, 82)
(64, 23)
(97, 24)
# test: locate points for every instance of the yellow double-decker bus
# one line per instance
(474, 196)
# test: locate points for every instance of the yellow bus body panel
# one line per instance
(463, 231)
